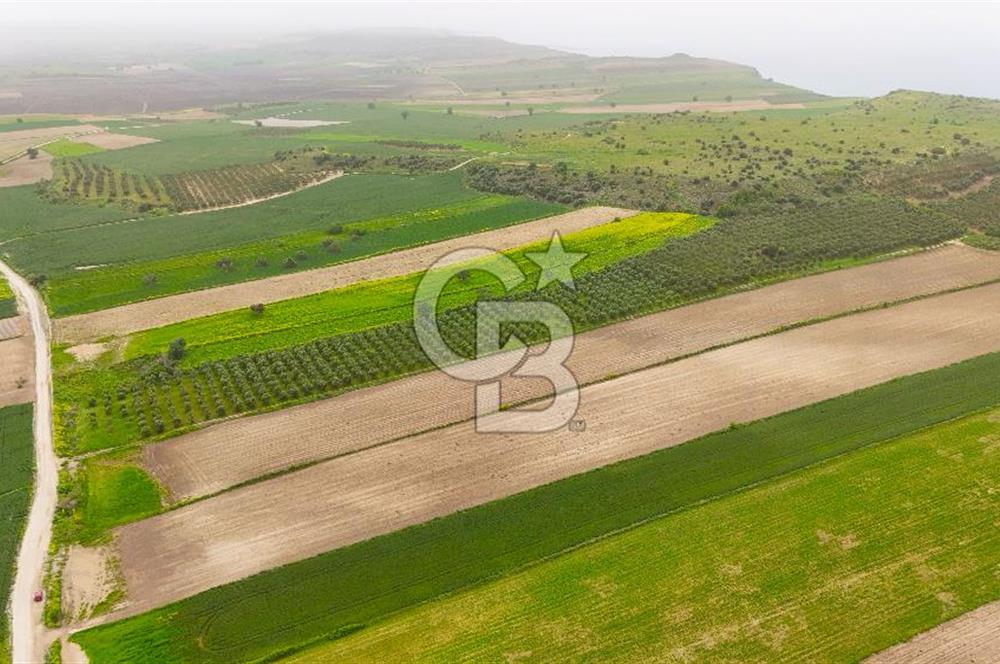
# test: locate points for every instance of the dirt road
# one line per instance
(385, 488)
(28, 630)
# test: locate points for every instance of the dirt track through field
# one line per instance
(176, 308)
(379, 490)
(227, 454)
(973, 638)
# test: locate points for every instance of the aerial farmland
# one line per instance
(419, 346)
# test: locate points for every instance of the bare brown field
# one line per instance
(186, 114)
(973, 638)
(17, 368)
(88, 580)
(514, 98)
(26, 171)
(11, 327)
(489, 113)
(15, 142)
(110, 141)
(714, 106)
(176, 308)
(232, 452)
(385, 488)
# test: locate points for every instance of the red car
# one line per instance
(39, 596)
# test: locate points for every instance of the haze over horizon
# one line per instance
(843, 49)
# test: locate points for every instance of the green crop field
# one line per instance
(192, 146)
(787, 539)
(8, 303)
(831, 564)
(321, 598)
(67, 148)
(156, 400)
(387, 202)
(16, 478)
(330, 241)
(345, 200)
(107, 406)
(10, 123)
(218, 143)
(368, 304)
(26, 214)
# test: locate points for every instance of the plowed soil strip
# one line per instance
(176, 308)
(973, 638)
(382, 489)
(17, 362)
(227, 454)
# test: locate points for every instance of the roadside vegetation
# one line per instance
(16, 480)
(285, 610)
(8, 303)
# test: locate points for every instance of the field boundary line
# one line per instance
(166, 301)
(663, 515)
(327, 178)
(611, 377)
(383, 381)
(125, 614)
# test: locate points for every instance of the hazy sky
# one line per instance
(837, 48)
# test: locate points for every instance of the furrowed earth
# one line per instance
(786, 310)
(213, 459)
(385, 488)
